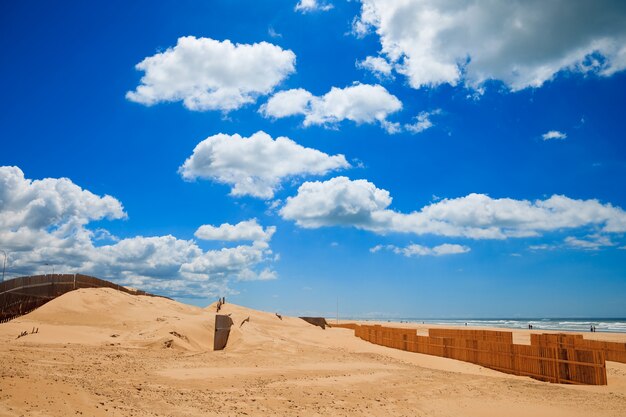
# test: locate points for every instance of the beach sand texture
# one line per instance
(100, 352)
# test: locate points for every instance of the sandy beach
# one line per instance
(100, 352)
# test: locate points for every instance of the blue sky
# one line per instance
(472, 166)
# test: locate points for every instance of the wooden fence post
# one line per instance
(557, 366)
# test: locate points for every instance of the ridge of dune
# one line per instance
(106, 316)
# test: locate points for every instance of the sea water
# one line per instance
(561, 324)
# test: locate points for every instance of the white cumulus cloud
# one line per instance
(378, 66)
(553, 134)
(287, 103)
(45, 223)
(207, 74)
(245, 230)
(51, 202)
(359, 203)
(306, 6)
(422, 122)
(521, 43)
(360, 103)
(256, 165)
(338, 201)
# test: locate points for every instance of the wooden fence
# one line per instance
(351, 326)
(22, 295)
(484, 335)
(613, 351)
(546, 363)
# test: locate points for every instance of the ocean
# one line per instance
(615, 325)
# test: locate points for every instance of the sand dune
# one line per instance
(100, 352)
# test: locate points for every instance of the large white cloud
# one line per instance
(50, 202)
(522, 43)
(256, 165)
(206, 74)
(359, 203)
(338, 201)
(44, 224)
(360, 103)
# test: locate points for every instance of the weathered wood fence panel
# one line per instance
(613, 351)
(570, 364)
(316, 321)
(484, 335)
(350, 326)
(223, 324)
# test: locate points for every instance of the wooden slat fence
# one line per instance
(22, 295)
(546, 363)
(484, 335)
(613, 351)
(350, 326)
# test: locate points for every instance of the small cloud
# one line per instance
(419, 250)
(357, 163)
(334, 244)
(380, 67)
(422, 122)
(391, 127)
(541, 247)
(307, 289)
(591, 242)
(376, 248)
(554, 134)
(622, 248)
(273, 33)
(306, 6)
(516, 254)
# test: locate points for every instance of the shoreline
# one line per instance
(520, 336)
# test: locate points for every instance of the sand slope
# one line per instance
(102, 316)
(161, 363)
